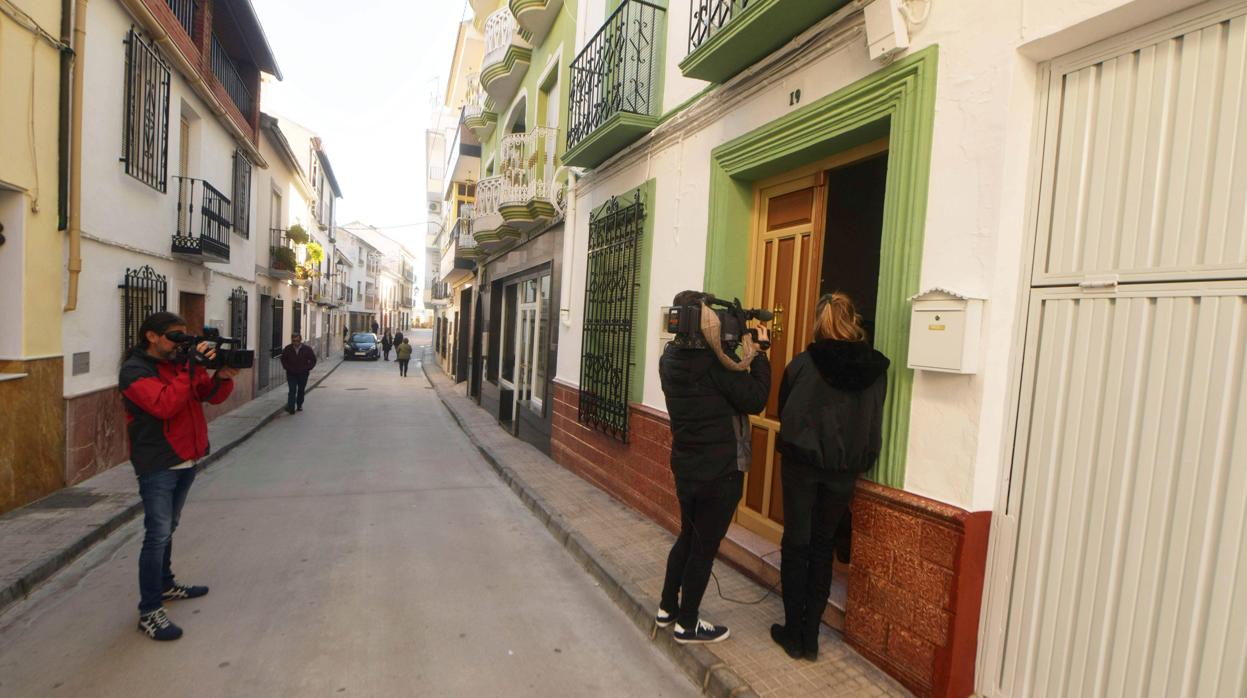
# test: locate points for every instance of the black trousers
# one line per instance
(706, 510)
(402, 366)
(814, 503)
(297, 384)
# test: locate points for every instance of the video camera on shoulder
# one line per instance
(228, 351)
(733, 320)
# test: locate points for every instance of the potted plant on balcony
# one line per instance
(284, 258)
(297, 234)
(315, 253)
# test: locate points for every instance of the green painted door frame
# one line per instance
(897, 101)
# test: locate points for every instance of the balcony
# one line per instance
(530, 195)
(459, 259)
(479, 113)
(727, 36)
(203, 222)
(282, 258)
(231, 79)
(507, 56)
(184, 10)
(615, 97)
(463, 161)
(488, 227)
(536, 16)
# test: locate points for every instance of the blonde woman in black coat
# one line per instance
(831, 414)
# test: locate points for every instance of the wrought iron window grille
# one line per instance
(143, 292)
(615, 72)
(276, 339)
(296, 319)
(616, 231)
(238, 315)
(709, 16)
(204, 220)
(242, 194)
(145, 140)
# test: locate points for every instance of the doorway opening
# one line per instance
(191, 308)
(817, 229)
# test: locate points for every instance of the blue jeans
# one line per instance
(163, 493)
(297, 382)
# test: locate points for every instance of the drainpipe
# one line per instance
(569, 251)
(75, 154)
(62, 135)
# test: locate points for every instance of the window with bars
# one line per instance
(277, 340)
(616, 233)
(143, 292)
(242, 194)
(296, 319)
(238, 315)
(146, 138)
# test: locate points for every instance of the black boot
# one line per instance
(822, 550)
(788, 640)
(794, 569)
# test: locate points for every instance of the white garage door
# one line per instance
(1127, 502)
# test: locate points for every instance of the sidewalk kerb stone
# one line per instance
(709, 672)
(62, 557)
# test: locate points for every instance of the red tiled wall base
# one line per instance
(95, 428)
(915, 588)
(95, 434)
(638, 472)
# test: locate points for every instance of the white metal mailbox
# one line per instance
(944, 331)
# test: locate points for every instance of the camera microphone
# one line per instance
(764, 315)
(179, 337)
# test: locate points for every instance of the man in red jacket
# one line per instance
(162, 392)
(298, 359)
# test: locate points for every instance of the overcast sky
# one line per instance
(362, 75)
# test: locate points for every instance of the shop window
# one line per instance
(143, 292)
(146, 137)
(616, 233)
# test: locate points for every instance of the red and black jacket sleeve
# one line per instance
(155, 404)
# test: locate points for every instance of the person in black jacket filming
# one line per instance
(710, 393)
(831, 415)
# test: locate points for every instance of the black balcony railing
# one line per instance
(709, 16)
(616, 71)
(281, 254)
(203, 221)
(227, 74)
(184, 10)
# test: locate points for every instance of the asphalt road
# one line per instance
(360, 547)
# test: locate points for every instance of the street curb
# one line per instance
(22, 587)
(714, 676)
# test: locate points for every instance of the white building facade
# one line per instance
(1065, 167)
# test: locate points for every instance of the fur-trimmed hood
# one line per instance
(848, 366)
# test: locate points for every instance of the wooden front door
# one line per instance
(783, 278)
(191, 308)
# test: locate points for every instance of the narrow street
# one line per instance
(361, 547)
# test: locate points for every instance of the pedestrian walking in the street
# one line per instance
(398, 339)
(161, 389)
(298, 359)
(403, 353)
(387, 343)
(375, 328)
(831, 417)
(709, 405)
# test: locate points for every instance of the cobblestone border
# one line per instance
(22, 587)
(714, 676)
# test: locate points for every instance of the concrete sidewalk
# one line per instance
(627, 554)
(41, 538)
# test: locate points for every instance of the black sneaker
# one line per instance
(663, 619)
(702, 633)
(157, 626)
(177, 592)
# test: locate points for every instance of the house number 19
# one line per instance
(794, 98)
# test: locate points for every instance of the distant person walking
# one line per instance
(398, 339)
(298, 359)
(387, 343)
(403, 352)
